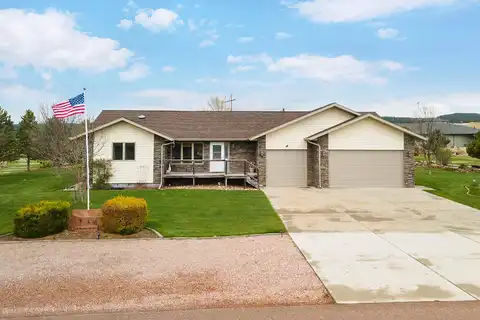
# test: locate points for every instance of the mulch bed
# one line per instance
(68, 235)
(211, 187)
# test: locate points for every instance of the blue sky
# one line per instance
(271, 54)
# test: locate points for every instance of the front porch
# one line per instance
(212, 169)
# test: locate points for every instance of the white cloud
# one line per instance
(157, 20)
(467, 102)
(326, 11)
(206, 80)
(131, 6)
(282, 35)
(391, 65)
(173, 99)
(168, 69)
(17, 98)
(206, 43)
(136, 71)
(45, 41)
(243, 68)
(344, 68)
(262, 58)
(387, 33)
(328, 69)
(245, 39)
(125, 24)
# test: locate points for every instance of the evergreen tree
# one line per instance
(27, 136)
(8, 142)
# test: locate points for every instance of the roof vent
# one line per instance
(141, 116)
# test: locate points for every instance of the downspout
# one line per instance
(161, 162)
(319, 163)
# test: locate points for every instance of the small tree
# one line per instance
(473, 148)
(8, 141)
(27, 136)
(216, 104)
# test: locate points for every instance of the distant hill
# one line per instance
(461, 117)
(452, 118)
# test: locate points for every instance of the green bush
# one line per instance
(41, 219)
(102, 172)
(443, 156)
(462, 166)
(124, 215)
(46, 164)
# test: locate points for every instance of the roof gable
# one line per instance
(357, 119)
(307, 115)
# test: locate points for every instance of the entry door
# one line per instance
(217, 152)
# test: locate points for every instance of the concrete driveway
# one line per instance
(385, 245)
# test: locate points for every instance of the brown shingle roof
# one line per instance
(204, 125)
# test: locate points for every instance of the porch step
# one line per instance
(253, 182)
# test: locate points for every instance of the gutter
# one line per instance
(161, 162)
(319, 162)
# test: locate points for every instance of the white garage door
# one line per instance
(365, 169)
(286, 168)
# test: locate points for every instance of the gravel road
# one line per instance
(46, 277)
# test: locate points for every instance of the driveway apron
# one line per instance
(384, 244)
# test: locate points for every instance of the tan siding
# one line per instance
(292, 137)
(367, 134)
(139, 170)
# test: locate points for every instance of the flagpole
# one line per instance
(87, 153)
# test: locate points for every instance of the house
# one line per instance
(331, 146)
(459, 135)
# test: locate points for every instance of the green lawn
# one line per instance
(449, 184)
(174, 213)
(19, 166)
(457, 160)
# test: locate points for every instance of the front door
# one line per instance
(217, 155)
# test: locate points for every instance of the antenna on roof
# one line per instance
(230, 100)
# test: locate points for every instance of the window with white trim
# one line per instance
(188, 151)
(123, 151)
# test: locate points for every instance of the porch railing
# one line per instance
(226, 167)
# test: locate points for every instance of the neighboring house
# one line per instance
(459, 135)
(331, 146)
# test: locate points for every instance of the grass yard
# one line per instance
(457, 160)
(174, 213)
(449, 184)
(19, 166)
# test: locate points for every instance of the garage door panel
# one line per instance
(365, 168)
(286, 168)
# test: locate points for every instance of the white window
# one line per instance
(188, 151)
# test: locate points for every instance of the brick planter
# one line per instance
(83, 220)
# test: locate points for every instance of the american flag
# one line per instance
(69, 107)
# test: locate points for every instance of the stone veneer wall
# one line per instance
(262, 160)
(242, 150)
(313, 166)
(409, 161)
(324, 161)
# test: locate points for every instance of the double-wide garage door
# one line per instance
(349, 169)
(286, 168)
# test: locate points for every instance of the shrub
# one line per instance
(102, 172)
(462, 166)
(41, 219)
(46, 164)
(124, 215)
(443, 156)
